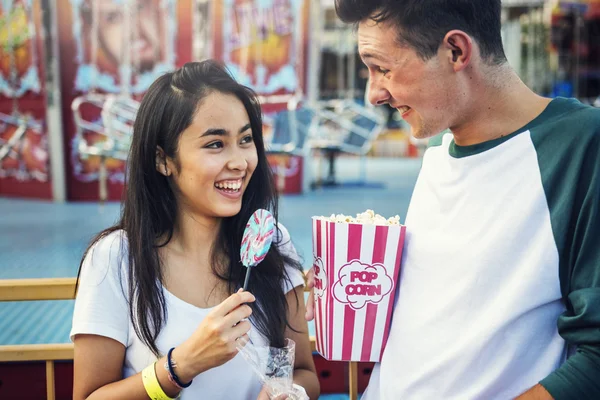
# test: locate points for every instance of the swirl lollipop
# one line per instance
(256, 241)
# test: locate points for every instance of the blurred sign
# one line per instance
(18, 56)
(24, 156)
(262, 43)
(122, 46)
(522, 3)
(287, 171)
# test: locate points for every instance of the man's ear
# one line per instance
(161, 162)
(459, 48)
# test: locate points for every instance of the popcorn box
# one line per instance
(356, 269)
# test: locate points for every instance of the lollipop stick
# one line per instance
(247, 278)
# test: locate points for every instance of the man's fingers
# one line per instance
(310, 278)
(310, 306)
(310, 302)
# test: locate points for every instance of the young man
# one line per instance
(500, 279)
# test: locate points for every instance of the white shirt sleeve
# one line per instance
(101, 305)
(286, 247)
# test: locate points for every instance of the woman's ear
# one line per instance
(161, 162)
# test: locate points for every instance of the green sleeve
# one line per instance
(571, 175)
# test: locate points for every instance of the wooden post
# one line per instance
(353, 372)
(50, 380)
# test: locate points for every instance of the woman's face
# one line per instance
(146, 26)
(215, 159)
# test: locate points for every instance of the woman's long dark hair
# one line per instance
(149, 209)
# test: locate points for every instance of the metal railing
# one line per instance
(64, 289)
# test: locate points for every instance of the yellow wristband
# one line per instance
(152, 385)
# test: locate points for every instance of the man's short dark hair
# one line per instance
(423, 24)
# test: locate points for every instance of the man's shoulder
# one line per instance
(568, 121)
(565, 111)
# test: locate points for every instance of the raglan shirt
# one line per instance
(500, 279)
(101, 308)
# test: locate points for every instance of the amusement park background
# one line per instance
(72, 73)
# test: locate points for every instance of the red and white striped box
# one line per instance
(356, 273)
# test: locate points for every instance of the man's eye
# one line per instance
(214, 145)
(383, 71)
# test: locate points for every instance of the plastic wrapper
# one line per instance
(274, 367)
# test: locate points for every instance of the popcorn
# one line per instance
(356, 265)
(366, 218)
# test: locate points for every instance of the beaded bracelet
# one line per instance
(170, 367)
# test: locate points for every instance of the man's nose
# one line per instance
(377, 94)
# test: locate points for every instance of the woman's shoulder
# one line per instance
(283, 241)
(106, 256)
(109, 245)
(293, 271)
(101, 306)
(282, 235)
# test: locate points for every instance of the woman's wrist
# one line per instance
(170, 367)
(184, 369)
(157, 384)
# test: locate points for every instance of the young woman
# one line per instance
(158, 306)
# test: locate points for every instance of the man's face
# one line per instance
(420, 90)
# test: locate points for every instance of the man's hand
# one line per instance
(310, 302)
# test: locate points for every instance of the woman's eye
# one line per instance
(112, 17)
(247, 139)
(214, 145)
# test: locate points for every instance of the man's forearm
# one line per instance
(535, 393)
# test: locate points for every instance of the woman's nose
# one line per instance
(237, 161)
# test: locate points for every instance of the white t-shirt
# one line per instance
(479, 293)
(101, 308)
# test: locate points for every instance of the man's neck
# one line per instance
(503, 105)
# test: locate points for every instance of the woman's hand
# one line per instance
(295, 394)
(263, 395)
(214, 342)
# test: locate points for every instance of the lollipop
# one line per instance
(256, 241)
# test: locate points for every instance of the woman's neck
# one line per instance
(188, 264)
(194, 235)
